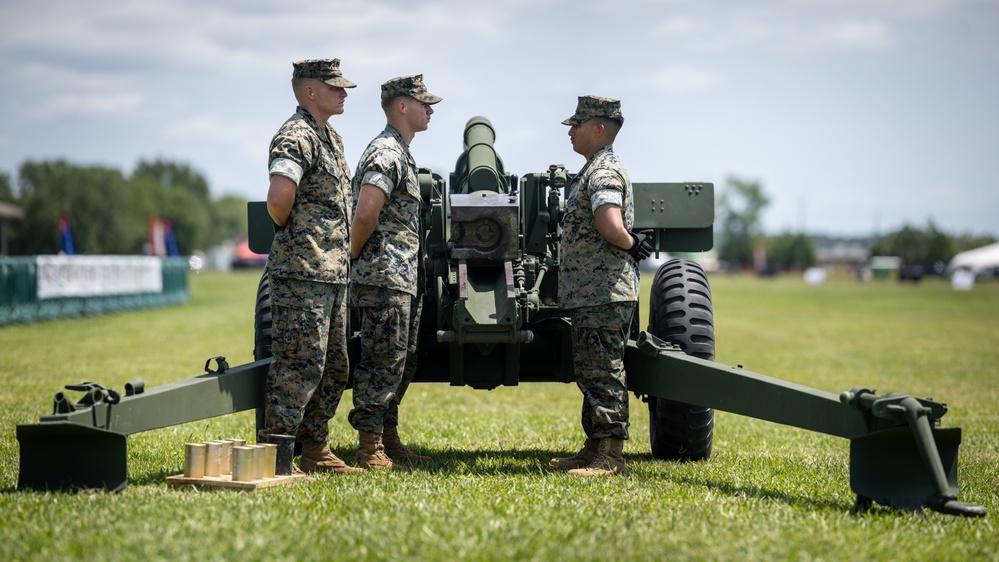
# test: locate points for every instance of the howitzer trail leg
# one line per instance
(910, 467)
(67, 456)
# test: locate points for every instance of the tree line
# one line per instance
(739, 233)
(109, 212)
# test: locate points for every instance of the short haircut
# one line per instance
(387, 102)
(612, 125)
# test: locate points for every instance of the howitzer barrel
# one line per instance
(479, 168)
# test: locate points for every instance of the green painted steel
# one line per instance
(491, 317)
(656, 368)
(83, 445)
(261, 227)
(682, 215)
(213, 394)
(71, 456)
(479, 168)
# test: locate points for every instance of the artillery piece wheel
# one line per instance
(262, 321)
(680, 312)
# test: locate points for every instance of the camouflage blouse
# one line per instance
(315, 243)
(594, 271)
(390, 258)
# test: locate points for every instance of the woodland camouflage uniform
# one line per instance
(598, 284)
(387, 280)
(307, 270)
(386, 283)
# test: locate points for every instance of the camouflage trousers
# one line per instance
(599, 337)
(390, 326)
(309, 373)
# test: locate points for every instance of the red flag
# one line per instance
(157, 242)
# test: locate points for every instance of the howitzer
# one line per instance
(490, 263)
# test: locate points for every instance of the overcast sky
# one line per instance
(855, 116)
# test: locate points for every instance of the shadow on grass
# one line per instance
(520, 462)
(534, 461)
(763, 493)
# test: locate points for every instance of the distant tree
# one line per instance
(180, 195)
(916, 246)
(174, 176)
(6, 189)
(910, 245)
(964, 242)
(95, 199)
(110, 213)
(740, 206)
(190, 218)
(228, 219)
(939, 246)
(791, 251)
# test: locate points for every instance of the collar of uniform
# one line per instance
(607, 148)
(391, 130)
(604, 148)
(324, 132)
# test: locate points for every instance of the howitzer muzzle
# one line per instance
(479, 168)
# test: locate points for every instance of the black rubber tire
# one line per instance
(680, 312)
(262, 322)
(262, 338)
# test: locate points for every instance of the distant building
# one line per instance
(852, 254)
(885, 267)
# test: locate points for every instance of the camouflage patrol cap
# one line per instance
(327, 70)
(595, 106)
(411, 86)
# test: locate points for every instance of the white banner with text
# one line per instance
(89, 276)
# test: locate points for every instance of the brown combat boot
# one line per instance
(608, 461)
(371, 452)
(396, 450)
(317, 457)
(581, 459)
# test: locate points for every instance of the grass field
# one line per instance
(769, 492)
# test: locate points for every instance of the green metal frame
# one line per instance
(898, 457)
(83, 445)
(491, 318)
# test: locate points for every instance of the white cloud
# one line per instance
(90, 105)
(685, 80)
(867, 35)
(782, 90)
(794, 27)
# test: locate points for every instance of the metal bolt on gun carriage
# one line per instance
(491, 317)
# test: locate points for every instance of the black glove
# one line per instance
(640, 247)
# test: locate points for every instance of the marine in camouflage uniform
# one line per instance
(387, 279)
(307, 269)
(598, 284)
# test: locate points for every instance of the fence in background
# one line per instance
(39, 288)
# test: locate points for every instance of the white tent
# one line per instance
(978, 260)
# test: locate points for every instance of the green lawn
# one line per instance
(768, 492)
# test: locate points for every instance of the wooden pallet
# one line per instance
(226, 482)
